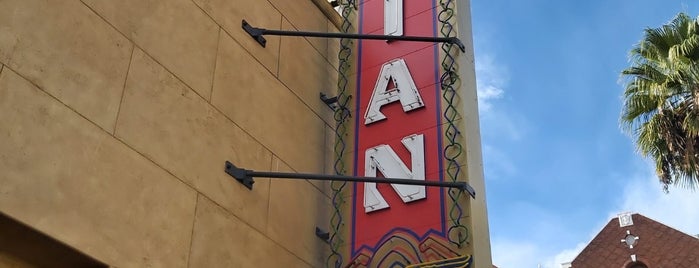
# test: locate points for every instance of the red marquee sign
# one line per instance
(399, 135)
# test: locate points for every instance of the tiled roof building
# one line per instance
(635, 241)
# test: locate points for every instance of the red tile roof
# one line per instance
(658, 246)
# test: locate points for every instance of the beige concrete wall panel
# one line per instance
(70, 52)
(330, 89)
(328, 161)
(306, 16)
(163, 119)
(307, 73)
(222, 240)
(263, 107)
(259, 13)
(333, 47)
(330, 79)
(296, 207)
(176, 33)
(70, 180)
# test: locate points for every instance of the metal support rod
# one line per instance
(257, 33)
(246, 176)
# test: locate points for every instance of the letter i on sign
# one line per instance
(393, 17)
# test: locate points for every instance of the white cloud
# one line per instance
(491, 80)
(564, 256)
(497, 163)
(514, 254)
(498, 123)
(678, 209)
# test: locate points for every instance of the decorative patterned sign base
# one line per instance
(401, 249)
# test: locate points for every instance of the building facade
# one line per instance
(116, 119)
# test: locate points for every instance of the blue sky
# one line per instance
(557, 165)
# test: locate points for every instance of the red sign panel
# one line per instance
(402, 225)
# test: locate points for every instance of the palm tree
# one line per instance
(661, 100)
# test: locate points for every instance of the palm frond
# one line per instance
(661, 100)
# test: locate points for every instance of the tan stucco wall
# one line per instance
(116, 118)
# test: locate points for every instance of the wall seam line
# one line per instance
(327, 40)
(57, 99)
(288, 87)
(142, 49)
(236, 40)
(123, 90)
(191, 237)
(213, 74)
(263, 234)
(279, 51)
(325, 20)
(269, 191)
(294, 170)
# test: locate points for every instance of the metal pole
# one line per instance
(246, 176)
(452, 40)
(257, 33)
(322, 177)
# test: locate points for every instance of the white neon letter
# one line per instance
(385, 160)
(393, 17)
(395, 71)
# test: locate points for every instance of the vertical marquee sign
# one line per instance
(399, 135)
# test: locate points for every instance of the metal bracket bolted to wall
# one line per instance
(257, 34)
(322, 234)
(330, 102)
(245, 177)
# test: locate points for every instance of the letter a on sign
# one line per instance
(385, 160)
(395, 71)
